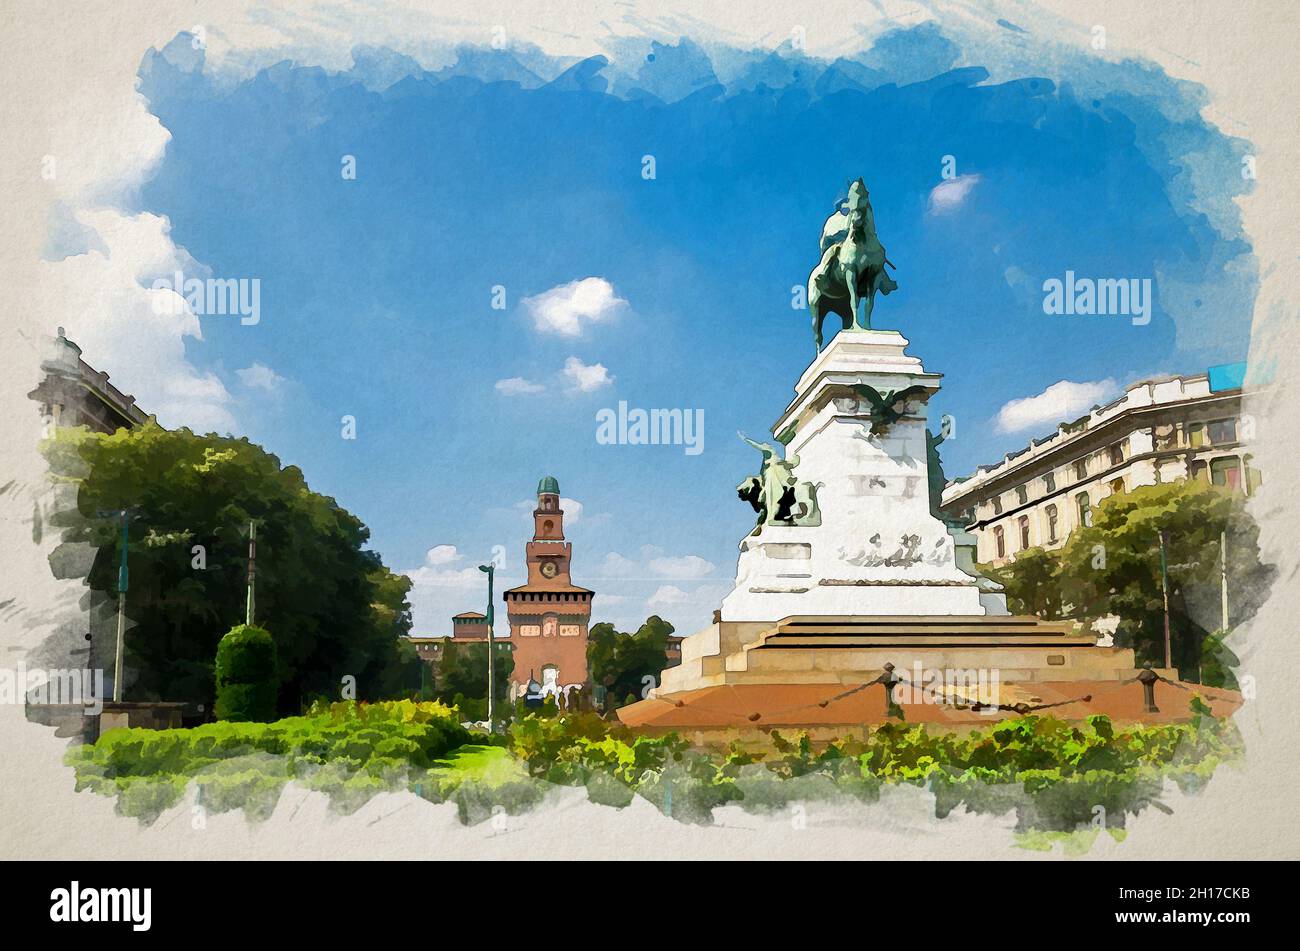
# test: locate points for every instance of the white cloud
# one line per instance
(563, 309)
(572, 509)
(586, 378)
(685, 566)
(260, 377)
(442, 555)
(699, 603)
(667, 595)
(951, 194)
(1059, 403)
(518, 386)
(616, 566)
(654, 565)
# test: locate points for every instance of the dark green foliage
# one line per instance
(622, 662)
(463, 675)
(1032, 583)
(246, 675)
(1218, 662)
(1113, 568)
(335, 609)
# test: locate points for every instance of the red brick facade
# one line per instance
(548, 614)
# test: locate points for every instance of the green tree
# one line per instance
(247, 682)
(334, 608)
(463, 672)
(1113, 567)
(1031, 582)
(1218, 662)
(621, 662)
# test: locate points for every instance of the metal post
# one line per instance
(1147, 678)
(1164, 592)
(252, 570)
(491, 701)
(121, 613)
(889, 679)
(1223, 577)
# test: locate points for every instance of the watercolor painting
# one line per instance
(434, 425)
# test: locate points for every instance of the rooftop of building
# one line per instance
(549, 588)
(549, 485)
(1147, 393)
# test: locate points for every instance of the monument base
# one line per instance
(856, 649)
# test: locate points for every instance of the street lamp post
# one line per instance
(121, 613)
(1164, 593)
(252, 570)
(491, 678)
(124, 539)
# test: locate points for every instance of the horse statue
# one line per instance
(852, 266)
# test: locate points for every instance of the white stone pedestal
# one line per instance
(878, 549)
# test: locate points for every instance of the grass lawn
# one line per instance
(488, 765)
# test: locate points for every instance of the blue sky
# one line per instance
(514, 170)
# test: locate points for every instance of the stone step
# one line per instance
(932, 640)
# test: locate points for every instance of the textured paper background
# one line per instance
(63, 62)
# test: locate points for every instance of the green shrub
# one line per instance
(349, 750)
(1054, 775)
(247, 680)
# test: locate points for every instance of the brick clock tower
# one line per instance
(548, 614)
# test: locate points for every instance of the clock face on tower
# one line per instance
(549, 569)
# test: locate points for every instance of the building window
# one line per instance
(1084, 506)
(996, 502)
(1117, 454)
(1024, 532)
(1221, 432)
(1052, 516)
(1022, 494)
(1116, 486)
(1166, 437)
(1081, 469)
(1226, 472)
(1196, 435)
(1001, 542)
(1049, 480)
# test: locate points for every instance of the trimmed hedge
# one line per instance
(349, 750)
(247, 679)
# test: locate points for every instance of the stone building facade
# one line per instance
(1160, 430)
(73, 393)
(549, 615)
(468, 627)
